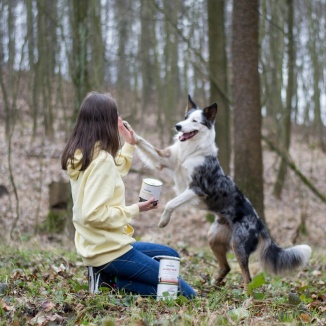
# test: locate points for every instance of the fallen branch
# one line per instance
(294, 168)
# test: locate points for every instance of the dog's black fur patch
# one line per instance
(222, 196)
(206, 122)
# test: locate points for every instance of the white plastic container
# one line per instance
(166, 291)
(169, 269)
(168, 277)
(150, 188)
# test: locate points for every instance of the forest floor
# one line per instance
(35, 294)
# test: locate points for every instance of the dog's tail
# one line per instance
(281, 261)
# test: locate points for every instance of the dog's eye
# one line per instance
(194, 120)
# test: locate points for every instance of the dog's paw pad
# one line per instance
(163, 223)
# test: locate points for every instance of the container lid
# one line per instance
(166, 257)
(153, 182)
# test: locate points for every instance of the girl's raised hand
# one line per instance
(126, 132)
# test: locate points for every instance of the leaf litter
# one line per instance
(43, 282)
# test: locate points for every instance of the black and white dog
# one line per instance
(199, 180)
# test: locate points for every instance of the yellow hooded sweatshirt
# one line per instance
(100, 215)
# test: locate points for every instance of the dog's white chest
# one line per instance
(183, 171)
(182, 177)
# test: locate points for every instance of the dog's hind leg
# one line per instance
(243, 260)
(244, 242)
(219, 236)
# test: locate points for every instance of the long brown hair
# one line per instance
(97, 122)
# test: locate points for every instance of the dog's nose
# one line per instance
(178, 127)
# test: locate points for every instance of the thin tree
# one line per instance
(318, 65)
(272, 49)
(79, 65)
(10, 79)
(290, 99)
(218, 68)
(172, 74)
(96, 44)
(45, 66)
(146, 54)
(123, 76)
(32, 42)
(248, 165)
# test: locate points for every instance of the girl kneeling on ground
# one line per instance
(96, 164)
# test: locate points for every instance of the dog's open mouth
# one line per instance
(187, 135)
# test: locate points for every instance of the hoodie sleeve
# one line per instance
(104, 203)
(124, 159)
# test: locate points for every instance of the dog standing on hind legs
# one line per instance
(199, 180)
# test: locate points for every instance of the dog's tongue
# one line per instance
(186, 135)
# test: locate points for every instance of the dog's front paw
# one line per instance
(165, 219)
(138, 139)
(126, 124)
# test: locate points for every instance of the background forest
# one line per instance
(263, 62)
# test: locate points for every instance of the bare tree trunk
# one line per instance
(159, 90)
(80, 78)
(272, 34)
(10, 71)
(33, 101)
(290, 96)
(46, 47)
(317, 69)
(197, 42)
(248, 165)
(218, 69)
(146, 53)
(123, 25)
(97, 62)
(10, 77)
(172, 76)
(2, 52)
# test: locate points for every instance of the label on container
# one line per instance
(169, 269)
(150, 188)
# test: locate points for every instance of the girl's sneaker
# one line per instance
(97, 279)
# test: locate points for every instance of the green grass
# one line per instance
(50, 288)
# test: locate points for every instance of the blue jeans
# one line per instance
(137, 272)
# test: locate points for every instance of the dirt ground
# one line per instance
(36, 163)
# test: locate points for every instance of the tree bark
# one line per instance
(123, 84)
(290, 96)
(97, 62)
(248, 165)
(218, 68)
(146, 53)
(172, 76)
(80, 31)
(317, 69)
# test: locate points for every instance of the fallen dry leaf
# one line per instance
(5, 306)
(305, 317)
(47, 306)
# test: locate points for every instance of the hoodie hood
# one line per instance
(74, 165)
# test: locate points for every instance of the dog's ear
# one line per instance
(191, 104)
(210, 112)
